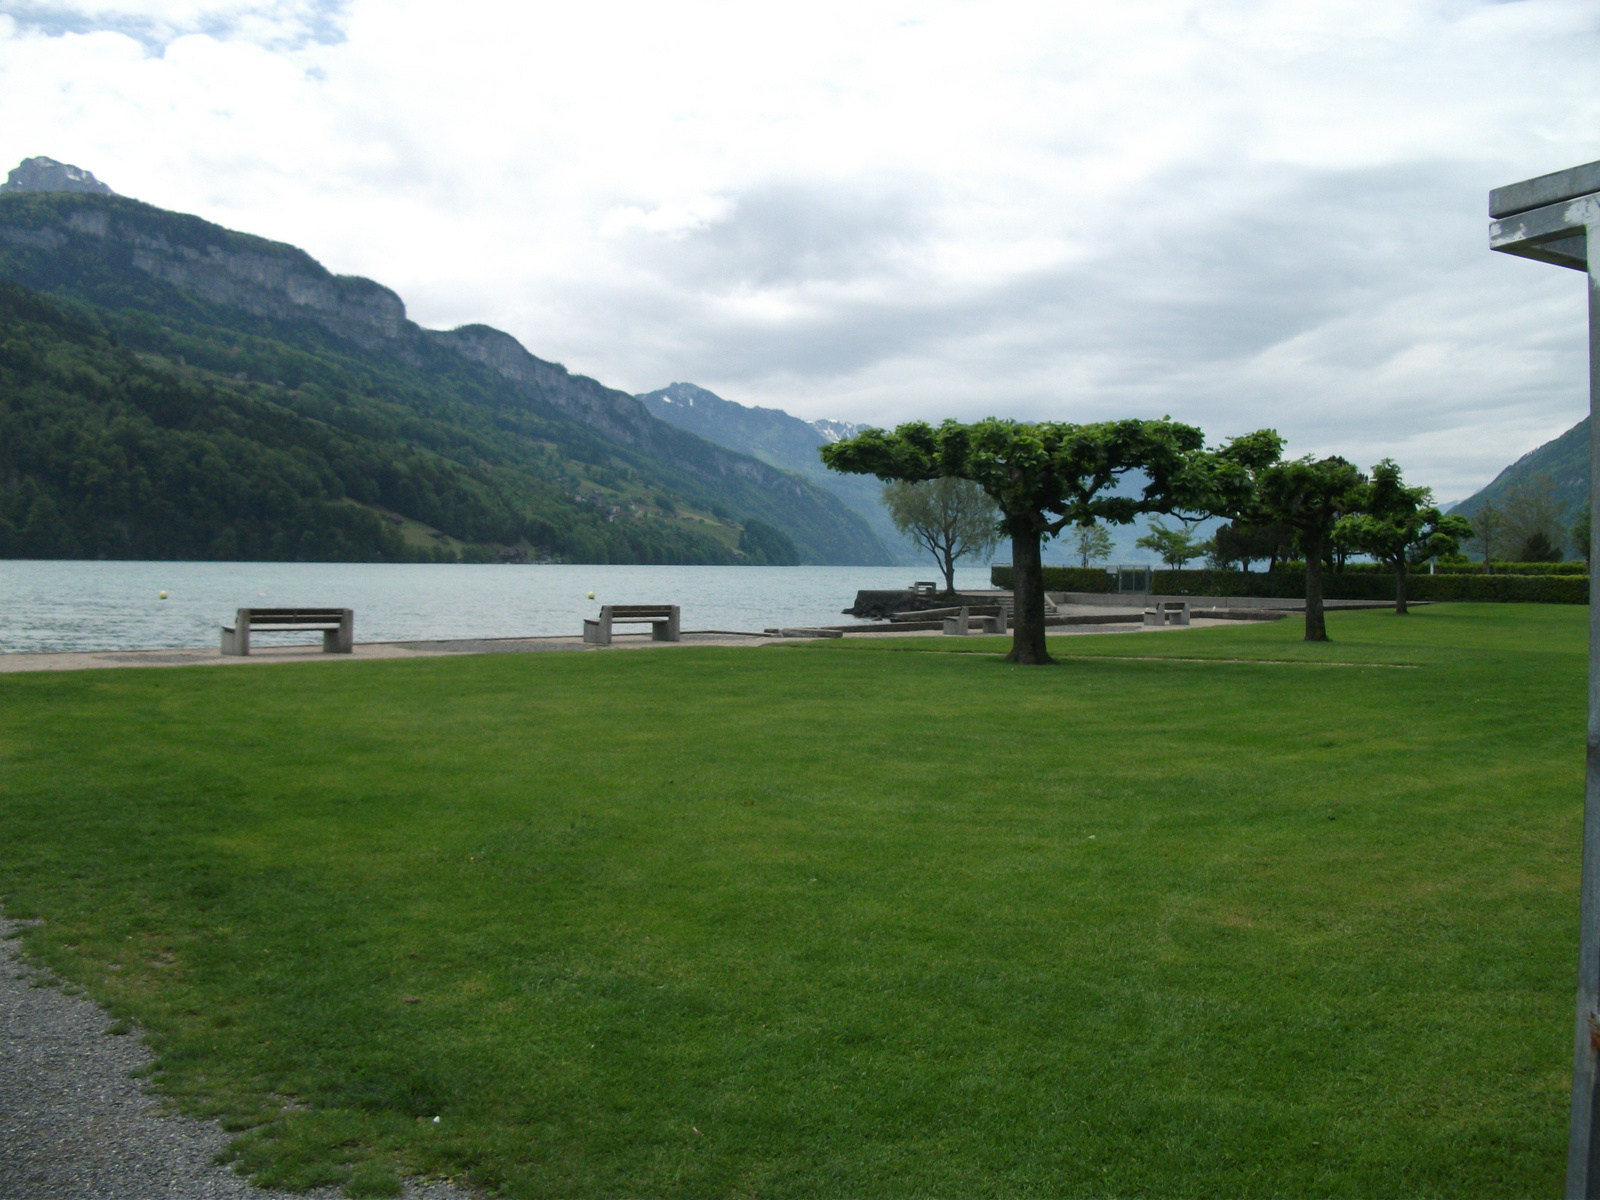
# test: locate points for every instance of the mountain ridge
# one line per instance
(784, 441)
(155, 270)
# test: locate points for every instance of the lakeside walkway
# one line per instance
(261, 655)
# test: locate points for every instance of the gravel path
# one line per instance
(74, 1126)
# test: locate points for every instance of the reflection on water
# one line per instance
(55, 606)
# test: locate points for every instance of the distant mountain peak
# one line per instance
(47, 175)
(837, 431)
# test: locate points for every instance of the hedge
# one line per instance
(1291, 585)
(1576, 567)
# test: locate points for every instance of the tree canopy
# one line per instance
(1399, 526)
(1310, 496)
(948, 517)
(1049, 475)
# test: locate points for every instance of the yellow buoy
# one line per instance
(163, 595)
(591, 595)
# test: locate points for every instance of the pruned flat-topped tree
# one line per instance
(1052, 474)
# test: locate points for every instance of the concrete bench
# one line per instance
(1168, 612)
(662, 619)
(963, 624)
(338, 627)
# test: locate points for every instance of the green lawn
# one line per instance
(848, 919)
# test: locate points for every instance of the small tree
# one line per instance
(1175, 547)
(1047, 476)
(1531, 509)
(1539, 548)
(950, 518)
(1399, 526)
(1092, 544)
(1243, 542)
(1488, 533)
(1310, 496)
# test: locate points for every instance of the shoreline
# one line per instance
(88, 660)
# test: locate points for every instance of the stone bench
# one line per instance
(337, 625)
(964, 623)
(1168, 612)
(662, 619)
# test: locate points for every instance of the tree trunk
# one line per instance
(947, 564)
(1027, 584)
(1400, 572)
(1316, 626)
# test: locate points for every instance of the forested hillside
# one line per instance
(106, 452)
(783, 441)
(211, 394)
(1561, 464)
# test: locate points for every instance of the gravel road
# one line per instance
(74, 1126)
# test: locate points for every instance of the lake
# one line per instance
(61, 606)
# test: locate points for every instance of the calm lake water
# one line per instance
(56, 606)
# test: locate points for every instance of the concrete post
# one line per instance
(1554, 219)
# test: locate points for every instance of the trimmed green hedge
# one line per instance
(1532, 589)
(1576, 567)
(1291, 585)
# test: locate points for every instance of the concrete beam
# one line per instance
(1545, 189)
(1556, 233)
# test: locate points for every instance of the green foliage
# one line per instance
(767, 936)
(1244, 542)
(1527, 589)
(767, 545)
(1399, 525)
(1045, 477)
(104, 453)
(1036, 472)
(1289, 583)
(422, 430)
(950, 518)
(1533, 514)
(1309, 496)
(1489, 533)
(1537, 547)
(1462, 565)
(1175, 547)
(1091, 543)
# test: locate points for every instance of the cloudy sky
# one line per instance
(1236, 213)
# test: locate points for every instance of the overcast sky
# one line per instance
(1239, 214)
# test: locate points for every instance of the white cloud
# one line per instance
(1238, 213)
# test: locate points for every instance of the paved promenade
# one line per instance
(261, 655)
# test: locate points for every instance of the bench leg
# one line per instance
(665, 631)
(596, 633)
(236, 640)
(343, 639)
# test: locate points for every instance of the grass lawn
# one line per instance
(871, 918)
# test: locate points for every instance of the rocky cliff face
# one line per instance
(265, 278)
(47, 175)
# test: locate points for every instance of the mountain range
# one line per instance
(177, 357)
(1561, 465)
(783, 441)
